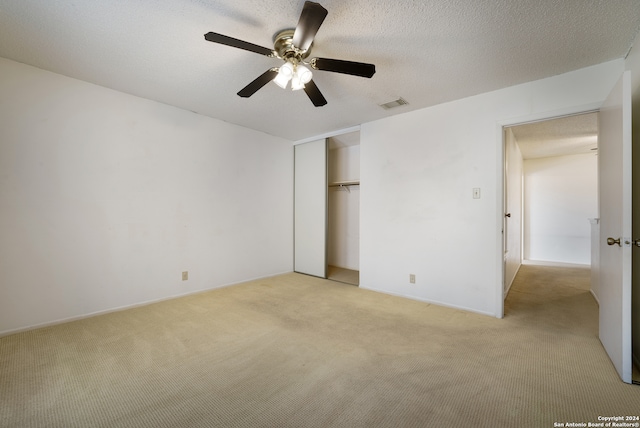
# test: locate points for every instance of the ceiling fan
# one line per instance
(294, 47)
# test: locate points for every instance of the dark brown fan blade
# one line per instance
(346, 67)
(309, 23)
(262, 80)
(314, 94)
(241, 44)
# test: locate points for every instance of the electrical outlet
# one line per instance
(185, 275)
(412, 278)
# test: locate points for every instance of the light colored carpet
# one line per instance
(297, 351)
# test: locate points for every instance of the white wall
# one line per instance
(105, 198)
(344, 208)
(344, 163)
(560, 195)
(513, 206)
(417, 211)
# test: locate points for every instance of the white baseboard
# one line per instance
(125, 307)
(558, 264)
(434, 302)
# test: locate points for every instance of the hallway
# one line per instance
(556, 298)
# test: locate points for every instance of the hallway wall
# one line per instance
(560, 195)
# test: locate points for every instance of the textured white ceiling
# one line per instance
(426, 51)
(558, 137)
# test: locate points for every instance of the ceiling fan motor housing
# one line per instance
(283, 46)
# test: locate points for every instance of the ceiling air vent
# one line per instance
(396, 103)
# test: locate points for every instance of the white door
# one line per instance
(512, 224)
(310, 208)
(614, 166)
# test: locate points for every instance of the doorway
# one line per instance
(343, 208)
(548, 236)
(551, 196)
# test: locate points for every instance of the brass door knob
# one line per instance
(611, 241)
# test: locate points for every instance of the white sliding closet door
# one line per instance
(310, 205)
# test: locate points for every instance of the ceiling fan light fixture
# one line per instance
(281, 81)
(301, 77)
(296, 83)
(304, 74)
(285, 73)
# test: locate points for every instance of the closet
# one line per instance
(343, 226)
(327, 208)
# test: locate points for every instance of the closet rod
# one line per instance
(344, 184)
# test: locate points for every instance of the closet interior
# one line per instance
(343, 208)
